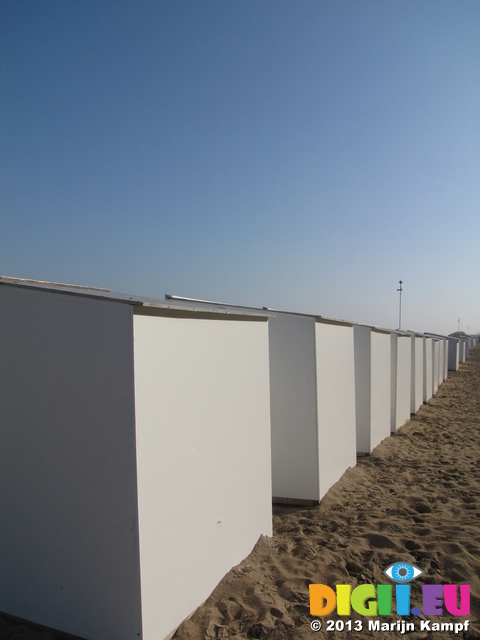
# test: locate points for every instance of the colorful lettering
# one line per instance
(343, 599)
(361, 595)
(402, 595)
(384, 595)
(368, 601)
(322, 599)
(450, 597)
(432, 599)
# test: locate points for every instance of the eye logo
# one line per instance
(402, 572)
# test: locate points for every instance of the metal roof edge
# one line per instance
(81, 292)
(47, 283)
(183, 302)
(205, 313)
(335, 321)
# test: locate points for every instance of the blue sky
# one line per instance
(300, 155)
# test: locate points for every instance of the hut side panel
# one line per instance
(68, 529)
(362, 343)
(336, 402)
(393, 383)
(436, 365)
(428, 372)
(441, 362)
(204, 473)
(453, 354)
(445, 359)
(403, 381)
(417, 373)
(294, 407)
(380, 388)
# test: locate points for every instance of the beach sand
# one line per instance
(416, 499)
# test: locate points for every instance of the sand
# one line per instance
(416, 499)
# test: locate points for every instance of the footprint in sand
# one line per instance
(378, 541)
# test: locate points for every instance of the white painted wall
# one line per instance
(445, 359)
(336, 402)
(372, 386)
(453, 354)
(363, 379)
(380, 387)
(68, 526)
(401, 380)
(416, 399)
(203, 455)
(293, 407)
(441, 361)
(393, 382)
(428, 371)
(436, 364)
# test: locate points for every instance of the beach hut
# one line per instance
(312, 404)
(312, 394)
(464, 344)
(442, 356)
(372, 386)
(135, 458)
(401, 379)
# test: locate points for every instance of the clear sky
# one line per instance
(303, 155)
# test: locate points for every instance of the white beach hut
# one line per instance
(442, 356)
(463, 345)
(135, 458)
(312, 404)
(312, 391)
(372, 386)
(401, 379)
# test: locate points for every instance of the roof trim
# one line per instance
(158, 311)
(9, 279)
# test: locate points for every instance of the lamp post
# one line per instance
(400, 307)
